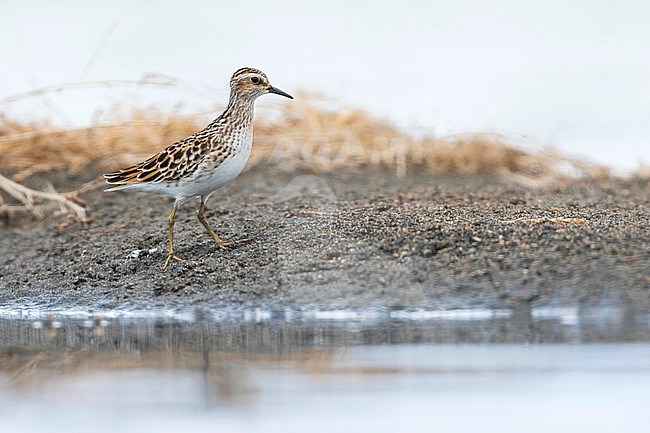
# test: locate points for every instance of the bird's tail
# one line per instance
(124, 176)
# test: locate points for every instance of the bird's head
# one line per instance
(250, 83)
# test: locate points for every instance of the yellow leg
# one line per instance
(199, 214)
(170, 225)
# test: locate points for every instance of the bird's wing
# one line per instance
(172, 164)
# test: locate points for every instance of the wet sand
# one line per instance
(344, 240)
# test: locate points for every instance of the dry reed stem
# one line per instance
(147, 80)
(32, 200)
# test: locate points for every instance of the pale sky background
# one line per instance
(573, 74)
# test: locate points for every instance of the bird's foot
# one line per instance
(171, 256)
(223, 244)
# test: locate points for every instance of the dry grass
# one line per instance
(311, 137)
(303, 135)
(26, 149)
(642, 172)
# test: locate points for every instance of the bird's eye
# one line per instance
(255, 80)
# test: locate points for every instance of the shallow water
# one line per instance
(235, 370)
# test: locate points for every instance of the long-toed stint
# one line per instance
(198, 165)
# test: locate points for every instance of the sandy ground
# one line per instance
(367, 239)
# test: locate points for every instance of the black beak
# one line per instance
(279, 92)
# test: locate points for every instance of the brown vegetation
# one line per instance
(303, 135)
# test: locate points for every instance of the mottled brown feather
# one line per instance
(171, 164)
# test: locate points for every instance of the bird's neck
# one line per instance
(239, 108)
(238, 113)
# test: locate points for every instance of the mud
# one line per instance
(365, 239)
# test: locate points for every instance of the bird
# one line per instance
(198, 165)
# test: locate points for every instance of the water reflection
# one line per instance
(250, 370)
(34, 343)
(277, 332)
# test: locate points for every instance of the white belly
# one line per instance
(204, 183)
